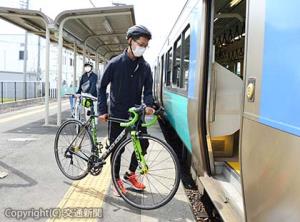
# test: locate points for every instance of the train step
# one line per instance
(224, 188)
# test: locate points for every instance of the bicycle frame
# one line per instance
(129, 127)
(123, 135)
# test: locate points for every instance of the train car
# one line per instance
(229, 79)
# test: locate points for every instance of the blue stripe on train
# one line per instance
(176, 109)
(280, 89)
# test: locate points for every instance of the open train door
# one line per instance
(271, 124)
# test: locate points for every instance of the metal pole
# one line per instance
(84, 56)
(47, 85)
(25, 5)
(97, 64)
(2, 92)
(75, 65)
(38, 71)
(15, 91)
(60, 47)
(35, 90)
(25, 61)
(25, 86)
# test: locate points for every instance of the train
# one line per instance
(228, 77)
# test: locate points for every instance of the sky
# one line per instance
(157, 15)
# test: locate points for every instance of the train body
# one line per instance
(228, 78)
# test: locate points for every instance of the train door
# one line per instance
(224, 103)
(271, 124)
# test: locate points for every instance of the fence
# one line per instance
(14, 91)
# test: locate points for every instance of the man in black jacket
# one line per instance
(88, 80)
(129, 76)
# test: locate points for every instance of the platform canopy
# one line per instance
(30, 20)
(96, 33)
(102, 30)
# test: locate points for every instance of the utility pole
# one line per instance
(92, 3)
(24, 4)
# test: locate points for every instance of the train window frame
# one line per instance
(162, 68)
(185, 77)
(176, 75)
(181, 90)
(168, 73)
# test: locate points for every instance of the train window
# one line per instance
(176, 65)
(162, 62)
(169, 61)
(186, 58)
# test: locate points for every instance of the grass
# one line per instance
(7, 100)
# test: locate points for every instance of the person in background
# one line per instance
(88, 80)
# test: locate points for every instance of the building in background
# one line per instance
(12, 59)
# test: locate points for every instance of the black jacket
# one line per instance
(92, 89)
(129, 79)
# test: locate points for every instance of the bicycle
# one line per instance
(81, 101)
(83, 146)
(75, 108)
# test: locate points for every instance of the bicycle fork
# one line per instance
(143, 167)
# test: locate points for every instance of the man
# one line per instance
(88, 80)
(88, 84)
(130, 76)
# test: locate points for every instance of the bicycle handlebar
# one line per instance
(138, 111)
(88, 96)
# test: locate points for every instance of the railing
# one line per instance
(14, 91)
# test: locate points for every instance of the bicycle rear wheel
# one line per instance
(73, 148)
(161, 181)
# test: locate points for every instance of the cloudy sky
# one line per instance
(158, 15)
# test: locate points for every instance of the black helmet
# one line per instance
(137, 31)
(88, 64)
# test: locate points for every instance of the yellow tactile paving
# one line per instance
(86, 193)
(236, 166)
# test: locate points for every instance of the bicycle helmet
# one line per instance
(137, 31)
(88, 64)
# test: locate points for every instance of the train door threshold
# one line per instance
(224, 189)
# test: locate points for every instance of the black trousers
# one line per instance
(114, 130)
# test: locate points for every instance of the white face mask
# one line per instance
(87, 69)
(138, 51)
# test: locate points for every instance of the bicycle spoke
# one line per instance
(154, 187)
(162, 169)
(124, 158)
(150, 189)
(148, 154)
(159, 162)
(156, 157)
(79, 166)
(159, 182)
(161, 176)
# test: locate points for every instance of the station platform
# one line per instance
(35, 184)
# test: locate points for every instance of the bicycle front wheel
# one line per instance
(73, 148)
(158, 185)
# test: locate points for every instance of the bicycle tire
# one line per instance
(77, 123)
(170, 195)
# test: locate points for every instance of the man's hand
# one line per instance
(149, 110)
(103, 118)
(77, 96)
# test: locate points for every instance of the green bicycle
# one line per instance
(78, 153)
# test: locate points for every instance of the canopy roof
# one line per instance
(101, 30)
